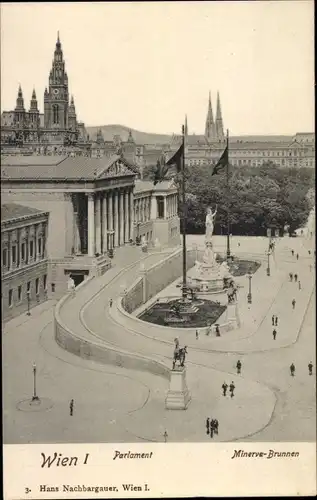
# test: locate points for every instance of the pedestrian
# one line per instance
(224, 388)
(238, 243)
(274, 334)
(211, 427)
(293, 303)
(310, 368)
(291, 276)
(217, 331)
(295, 277)
(297, 256)
(231, 389)
(196, 334)
(207, 425)
(110, 303)
(292, 253)
(299, 285)
(71, 407)
(216, 425)
(310, 267)
(276, 320)
(292, 369)
(309, 252)
(273, 320)
(239, 366)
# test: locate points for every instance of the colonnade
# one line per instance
(142, 209)
(109, 220)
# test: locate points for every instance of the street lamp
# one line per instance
(35, 397)
(28, 293)
(268, 271)
(250, 293)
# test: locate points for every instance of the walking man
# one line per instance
(110, 303)
(224, 388)
(291, 276)
(299, 285)
(196, 334)
(239, 366)
(231, 389)
(295, 277)
(217, 331)
(274, 334)
(297, 256)
(293, 303)
(273, 320)
(310, 368)
(292, 369)
(292, 253)
(276, 320)
(207, 425)
(71, 407)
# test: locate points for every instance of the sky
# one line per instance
(144, 65)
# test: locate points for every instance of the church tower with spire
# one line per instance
(56, 97)
(210, 125)
(219, 123)
(19, 112)
(34, 113)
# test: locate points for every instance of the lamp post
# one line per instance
(250, 293)
(35, 397)
(268, 271)
(28, 293)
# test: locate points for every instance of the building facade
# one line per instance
(95, 206)
(57, 130)
(24, 262)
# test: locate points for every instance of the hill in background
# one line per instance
(109, 131)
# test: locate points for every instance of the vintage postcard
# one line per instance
(158, 249)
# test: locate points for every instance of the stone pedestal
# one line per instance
(233, 315)
(178, 396)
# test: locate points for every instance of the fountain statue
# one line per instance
(208, 276)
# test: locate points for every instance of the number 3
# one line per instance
(27, 490)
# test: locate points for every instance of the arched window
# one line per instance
(55, 114)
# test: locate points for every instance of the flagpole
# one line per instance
(184, 287)
(228, 210)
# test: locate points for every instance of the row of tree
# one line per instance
(257, 198)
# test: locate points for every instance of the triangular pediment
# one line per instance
(116, 169)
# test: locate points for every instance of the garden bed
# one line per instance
(207, 314)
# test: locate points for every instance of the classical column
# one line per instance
(98, 223)
(126, 217)
(165, 213)
(104, 223)
(91, 225)
(132, 218)
(76, 235)
(116, 219)
(153, 207)
(121, 214)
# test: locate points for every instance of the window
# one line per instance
(23, 251)
(37, 282)
(4, 257)
(160, 207)
(19, 293)
(28, 286)
(39, 246)
(14, 254)
(45, 281)
(55, 114)
(53, 287)
(31, 248)
(10, 298)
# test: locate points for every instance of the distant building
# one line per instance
(24, 263)
(95, 205)
(57, 130)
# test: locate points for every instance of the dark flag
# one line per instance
(222, 162)
(176, 159)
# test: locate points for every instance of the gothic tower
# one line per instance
(210, 125)
(56, 98)
(72, 120)
(34, 114)
(19, 112)
(219, 123)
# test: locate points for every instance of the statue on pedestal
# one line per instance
(179, 354)
(210, 221)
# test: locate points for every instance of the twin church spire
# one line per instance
(214, 129)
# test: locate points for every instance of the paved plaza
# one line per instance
(113, 404)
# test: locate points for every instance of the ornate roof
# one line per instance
(13, 211)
